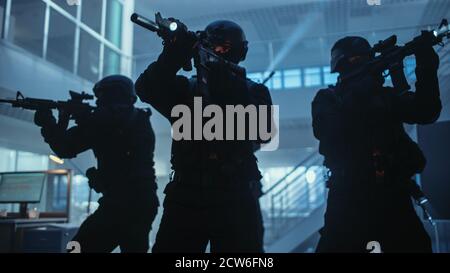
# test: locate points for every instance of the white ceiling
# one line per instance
(274, 21)
(183, 9)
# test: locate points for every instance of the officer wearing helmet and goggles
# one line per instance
(214, 193)
(123, 141)
(371, 158)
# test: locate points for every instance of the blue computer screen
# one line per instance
(21, 187)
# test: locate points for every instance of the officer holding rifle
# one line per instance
(371, 158)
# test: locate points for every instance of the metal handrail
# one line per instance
(302, 163)
(316, 185)
(301, 192)
(294, 182)
(287, 201)
(288, 185)
(292, 186)
(281, 216)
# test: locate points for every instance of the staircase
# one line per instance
(293, 207)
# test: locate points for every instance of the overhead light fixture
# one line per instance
(56, 159)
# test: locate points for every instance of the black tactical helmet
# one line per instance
(230, 34)
(346, 48)
(115, 89)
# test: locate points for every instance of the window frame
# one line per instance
(79, 25)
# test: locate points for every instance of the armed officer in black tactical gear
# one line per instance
(214, 193)
(370, 156)
(122, 140)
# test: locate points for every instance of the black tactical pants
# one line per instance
(230, 220)
(122, 220)
(355, 218)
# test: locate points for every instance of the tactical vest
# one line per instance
(223, 157)
(390, 151)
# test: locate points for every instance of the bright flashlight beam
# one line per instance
(290, 43)
(173, 26)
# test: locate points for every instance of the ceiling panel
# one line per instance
(276, 21)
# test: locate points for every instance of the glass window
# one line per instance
(292, 78)
(2, 15)
(111, 62)
(59, 193)
(31, 162)
(54, 195)
(277, 81)
(27, 25)
(88, 61)
(410, 67)
(256, 77)
(70, 8)
(312, 77)
(91, 14)
(269, 82)
(61, 40)
(114, 22)
(328, 77)
(79, 199)
(7, 160)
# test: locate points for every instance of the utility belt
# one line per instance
(102, 182)
(342, 182)
(214, 163)
(353, 177)
(375, 178)
(201, 179)
(381, 167)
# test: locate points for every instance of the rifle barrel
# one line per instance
(144, 22)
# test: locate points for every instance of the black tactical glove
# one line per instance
(86, 118)
(44, 118)
(178, 46)
(225, 87)
(50, 130)
(426, 56)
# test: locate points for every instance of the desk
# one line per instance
(11, 231)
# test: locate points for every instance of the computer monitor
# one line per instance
(22, 188)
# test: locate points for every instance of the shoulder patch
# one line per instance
(256, 86)
(326, 94)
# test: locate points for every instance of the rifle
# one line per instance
(203, 52)
(389, 56)
(70, 109)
